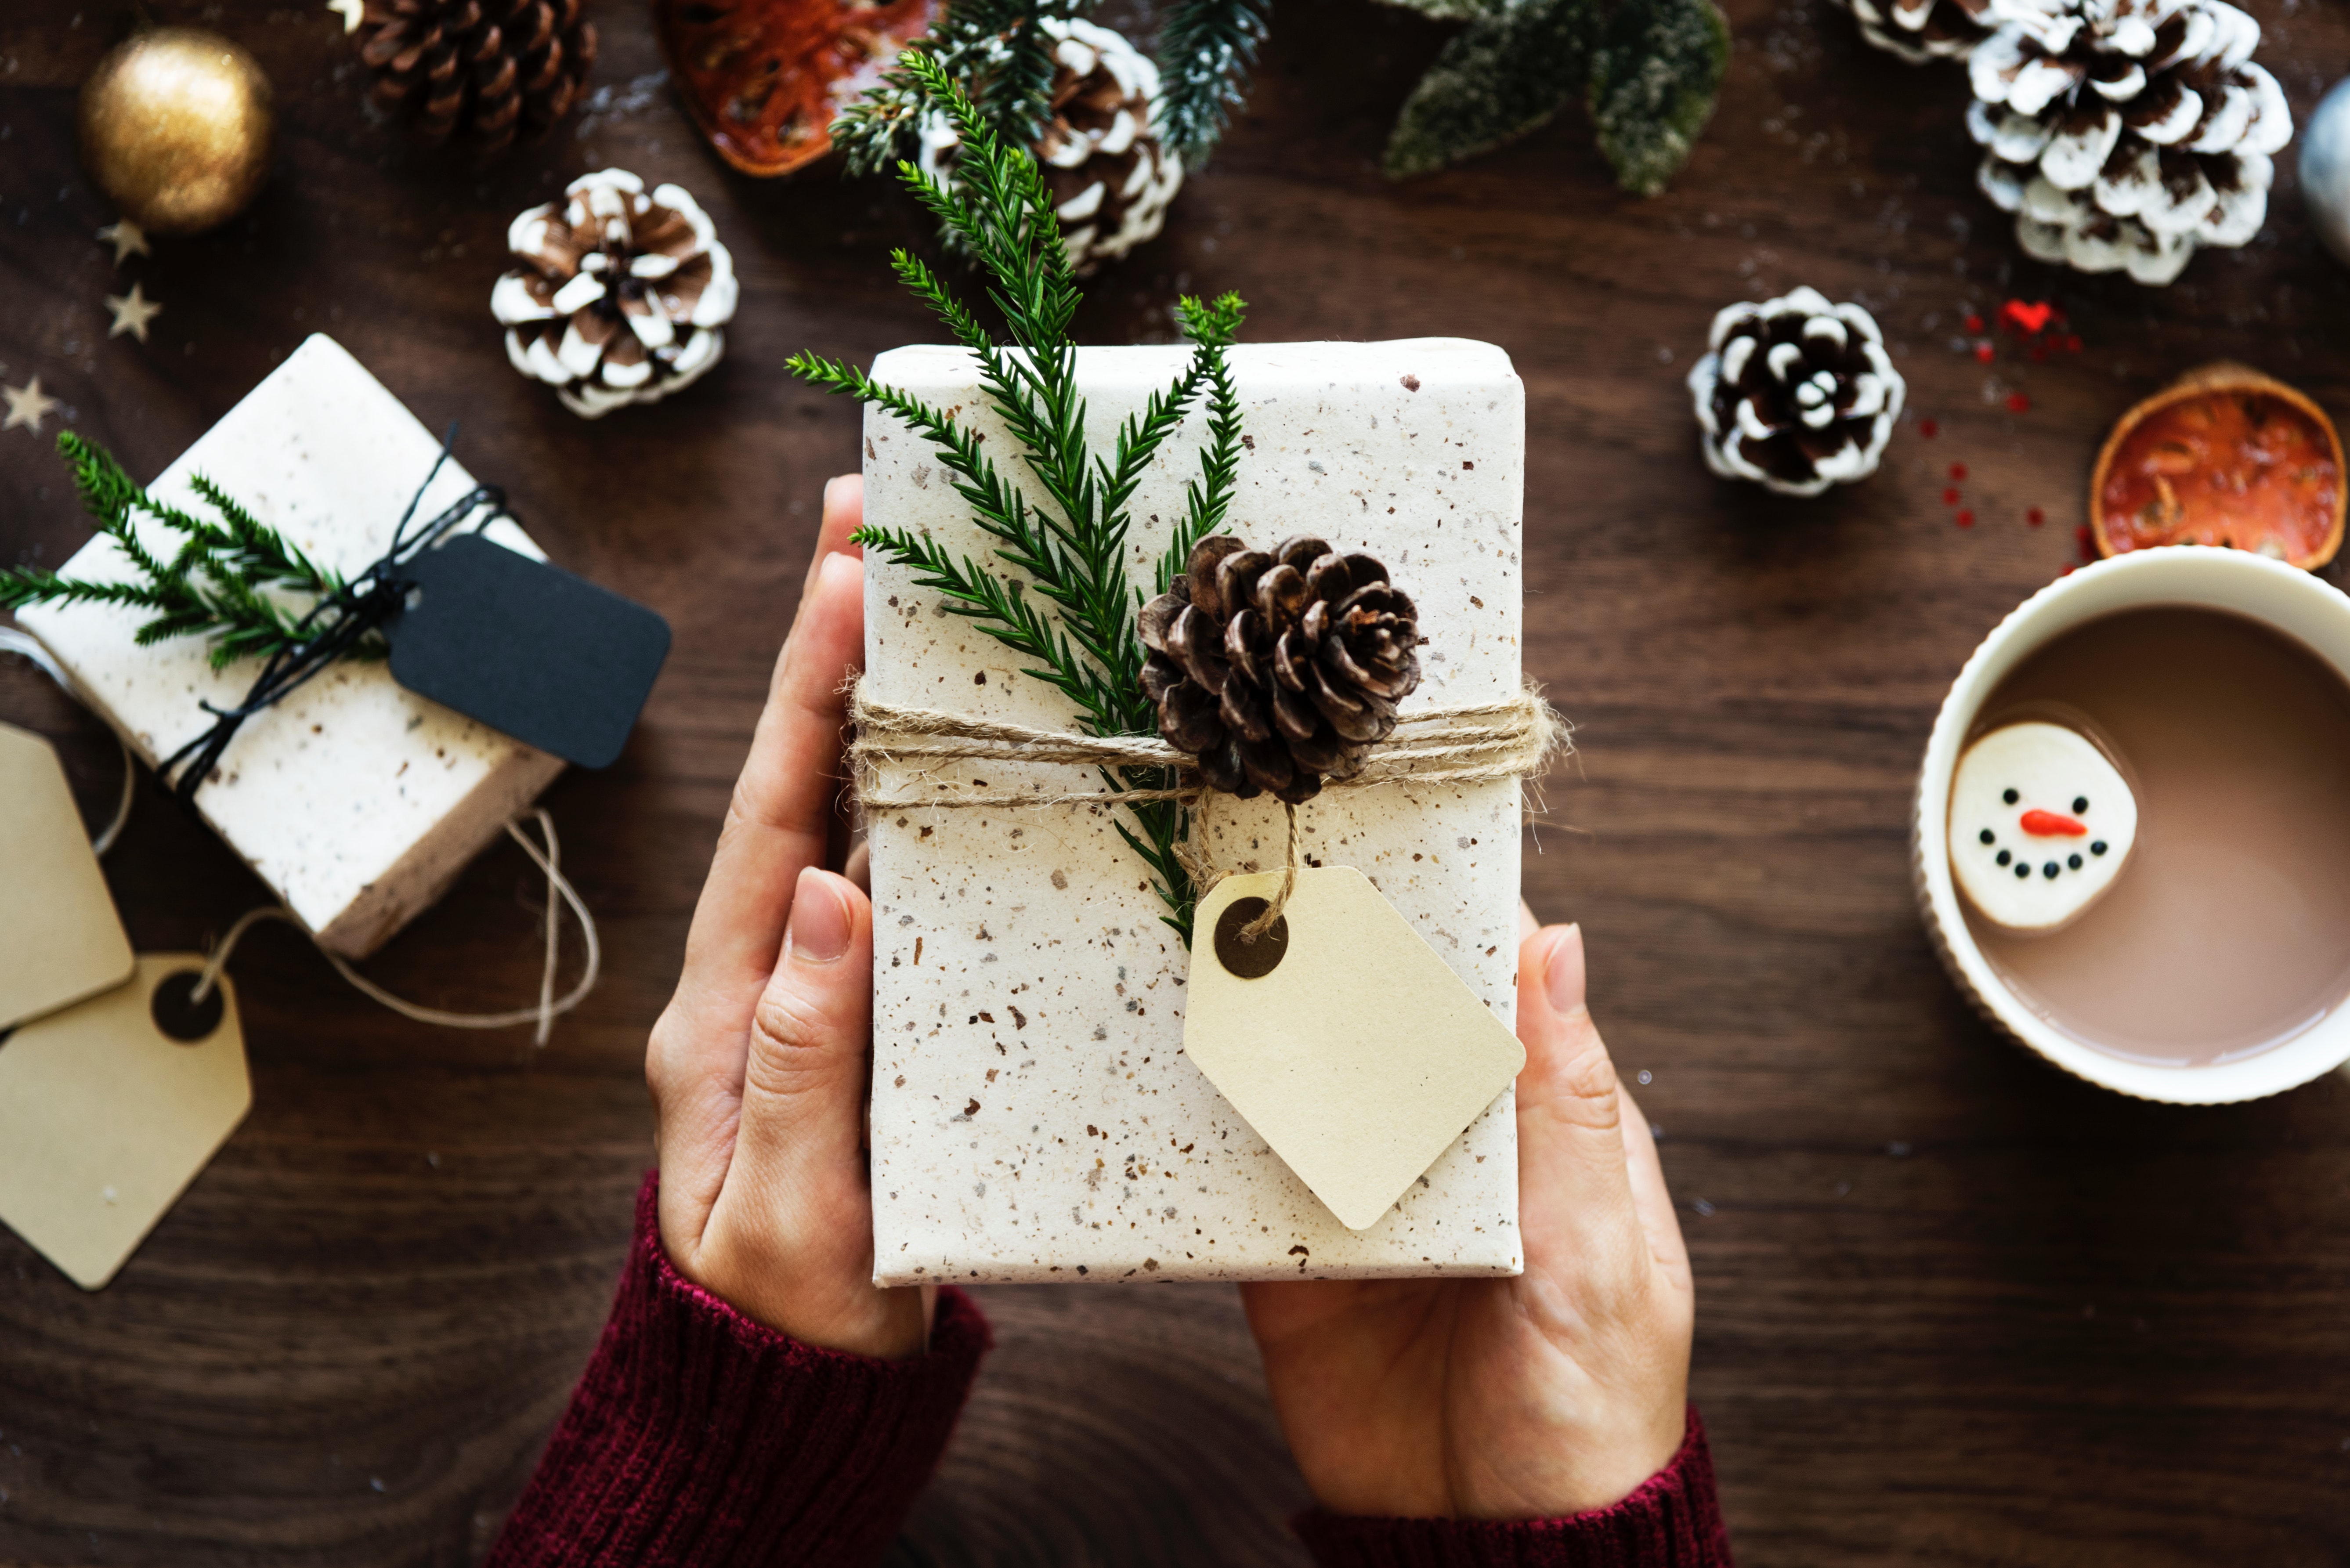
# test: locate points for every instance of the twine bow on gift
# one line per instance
(335, 626)
(1479, 743)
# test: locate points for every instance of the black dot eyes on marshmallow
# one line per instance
(2004, 857)
(2080, 804)
(2051, 868)
(2099, 848)
(2073, 861)
(1988, 837)
(2011, 797)
(2023, 868)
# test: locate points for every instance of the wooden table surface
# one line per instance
(1953, 1307)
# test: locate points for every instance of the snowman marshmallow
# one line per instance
(2040, 822)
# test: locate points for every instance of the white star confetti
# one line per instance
(352, 12)
(28, 405)
(132, 312)
(127, 238)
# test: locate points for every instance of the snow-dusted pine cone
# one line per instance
(619, 295)
(484, 72)
(1111, 176)
(1795, 394)
(1922, 30)
(1279, 670)
(2123, 133)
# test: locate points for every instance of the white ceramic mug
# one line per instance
(2283, 598)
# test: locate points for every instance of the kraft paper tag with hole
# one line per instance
(1352, 1050)
(525, 647)
(106, 1116)
(61, 939)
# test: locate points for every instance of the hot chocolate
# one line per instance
(2228, 930)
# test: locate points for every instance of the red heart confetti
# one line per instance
(1966, 519)
(1950, 496)
(2017, 403)
(2035, 518)
(1929, 429)
(2027, 318)
(1959, 472)
(1983, 352)
(1974, 323)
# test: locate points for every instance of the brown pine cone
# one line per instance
(1279, 670)
(484, 72)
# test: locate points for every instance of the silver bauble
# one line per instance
(2325, 169)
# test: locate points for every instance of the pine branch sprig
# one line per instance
(1205, 53)
(1067, 550)
(218, 584)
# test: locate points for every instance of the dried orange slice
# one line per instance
(2224, 456)
(765, 79)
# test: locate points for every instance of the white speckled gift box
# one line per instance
(1033, 1117)
(357, 801)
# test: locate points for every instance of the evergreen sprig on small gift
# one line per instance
(1647, 69)
(1069, 546)
(220, 582)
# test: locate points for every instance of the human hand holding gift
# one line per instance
(1551, 1394)
(757, 1066)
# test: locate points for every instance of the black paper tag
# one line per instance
(527, 649)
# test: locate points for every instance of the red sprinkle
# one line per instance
(1950, 496)
(2035, 518)
(1974, 323)
(1929, 429)
(1982, 352)
(1966, 519)
(1959, 472)
(2048, 824)
(2017, 403)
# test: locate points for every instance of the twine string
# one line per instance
(1479, 743)
(559, 894)
(334, 625)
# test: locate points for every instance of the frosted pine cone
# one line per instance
(484, 72)
(2125, 133)
(1795, 394)
(1279, 670)
(1111, 176)
(619, 296)
(1922, 30)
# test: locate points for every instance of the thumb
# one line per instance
(1575, 1193)
(802, 1125)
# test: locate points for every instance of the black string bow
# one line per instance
(335, 625)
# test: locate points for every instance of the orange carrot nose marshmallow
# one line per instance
(2041, 824)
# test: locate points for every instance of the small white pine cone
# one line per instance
(2125, 133)
(1922, 30)
(619, 295)
(1111, 176)
(1795, 394)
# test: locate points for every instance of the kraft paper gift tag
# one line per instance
(1340, 1036)
(106, 1118)
(61, 939)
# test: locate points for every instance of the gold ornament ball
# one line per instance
(175, 128)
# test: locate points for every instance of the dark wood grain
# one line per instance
(1954, 1308)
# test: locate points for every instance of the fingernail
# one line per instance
(1563, 974)
(832, 489)
(818, 932)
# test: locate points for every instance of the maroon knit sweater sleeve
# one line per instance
(698, 1437)
(1671, 1520)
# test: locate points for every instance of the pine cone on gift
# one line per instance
(1795, 394)
(619, 296)
(484, 72)
(2123, 133)
(1279, 670)
(1111, 177)
(1922, 30)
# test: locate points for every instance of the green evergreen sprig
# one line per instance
(1206, 50)
(220, 582)
(994, 49)
(1067, 548)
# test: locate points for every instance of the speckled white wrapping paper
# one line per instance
(1033, 1117)
(355, 800)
